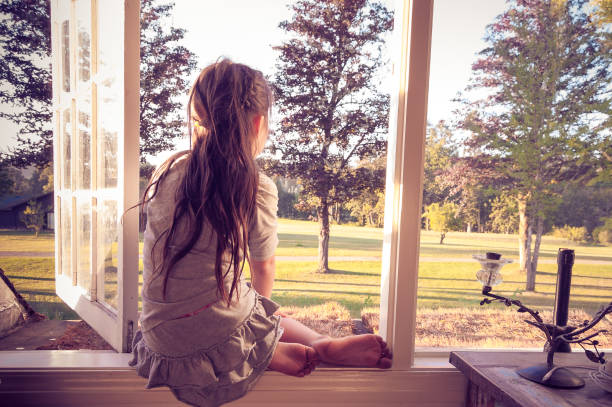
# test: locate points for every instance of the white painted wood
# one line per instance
(67, 378)
(404, 179)
(115, 325)
(127, 281)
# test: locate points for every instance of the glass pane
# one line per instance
(65, 236)
(485, 186)
(83, 244)
(110, 95)
(66, 148)
(83, 11)
(84, 161)
(65, 55)
(108, 239)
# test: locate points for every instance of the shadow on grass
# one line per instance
(351, 273)
(335, 242)
(545, 273)
(325, 282)
(54, 310)
(539, 283)
(299, 290)
(14, 277)
(42, 293)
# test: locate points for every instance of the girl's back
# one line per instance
(204, 332)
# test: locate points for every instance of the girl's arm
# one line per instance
(262, 275)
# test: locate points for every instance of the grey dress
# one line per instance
(215, 354)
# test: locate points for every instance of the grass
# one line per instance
(34, 278)
(446, 287)
(19, 241)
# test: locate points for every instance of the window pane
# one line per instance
(65, 54)
(66, 149)
(331, 186)
(83, 244)
(83, 11)
(110, 96)
(65, 236)
(489, 158)
(108, 239)
(83, 170)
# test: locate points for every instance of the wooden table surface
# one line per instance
(494, 373)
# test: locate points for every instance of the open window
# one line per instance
(95, 59)
(96, 100)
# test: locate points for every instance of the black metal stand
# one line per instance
(560, 377)
(548, 374)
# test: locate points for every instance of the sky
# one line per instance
(245, 30)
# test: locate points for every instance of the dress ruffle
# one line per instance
(218, 374)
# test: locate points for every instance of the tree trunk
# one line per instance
(337, 213)
(323, 214)
(533, 264)
(469, 227)
(525, 240)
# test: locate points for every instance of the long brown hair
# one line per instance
(221, 179)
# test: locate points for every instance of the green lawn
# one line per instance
(443, 283)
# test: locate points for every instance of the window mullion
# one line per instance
(404, 180)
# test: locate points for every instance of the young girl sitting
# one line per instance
(204, 332)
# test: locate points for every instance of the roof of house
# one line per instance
(9, 202)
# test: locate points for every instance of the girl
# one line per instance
(204, 332)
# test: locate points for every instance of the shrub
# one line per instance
(603, 234)
(572, 233)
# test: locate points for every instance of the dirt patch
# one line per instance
(78, 336)
(484, 328)
(330, 318)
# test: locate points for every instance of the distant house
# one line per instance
(12, 206)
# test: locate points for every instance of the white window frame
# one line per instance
(116, 326)
(424, 380)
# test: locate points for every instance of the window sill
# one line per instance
(100, 378)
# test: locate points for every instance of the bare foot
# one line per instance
(358, 350)
(294, 359)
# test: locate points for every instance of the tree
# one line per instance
(542, 123)
(6, 181)
(165, 69)
(442, 218)
(34, 216)
(504, 214)
(327, 83)
(25, 79)
(440, 149)
(368, 208)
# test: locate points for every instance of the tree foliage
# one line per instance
(504, 217)
(442, 218)
(545, 118)
(440, 150)
(34, 216)
(25, 79)
(165, 69)
(327, 83)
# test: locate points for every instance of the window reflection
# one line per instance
(84, 244)
(66, 56)
(108, 241)
(66, 149)
(84, 162)
(65, 236)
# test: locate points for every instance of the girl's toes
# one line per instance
(384, 363)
